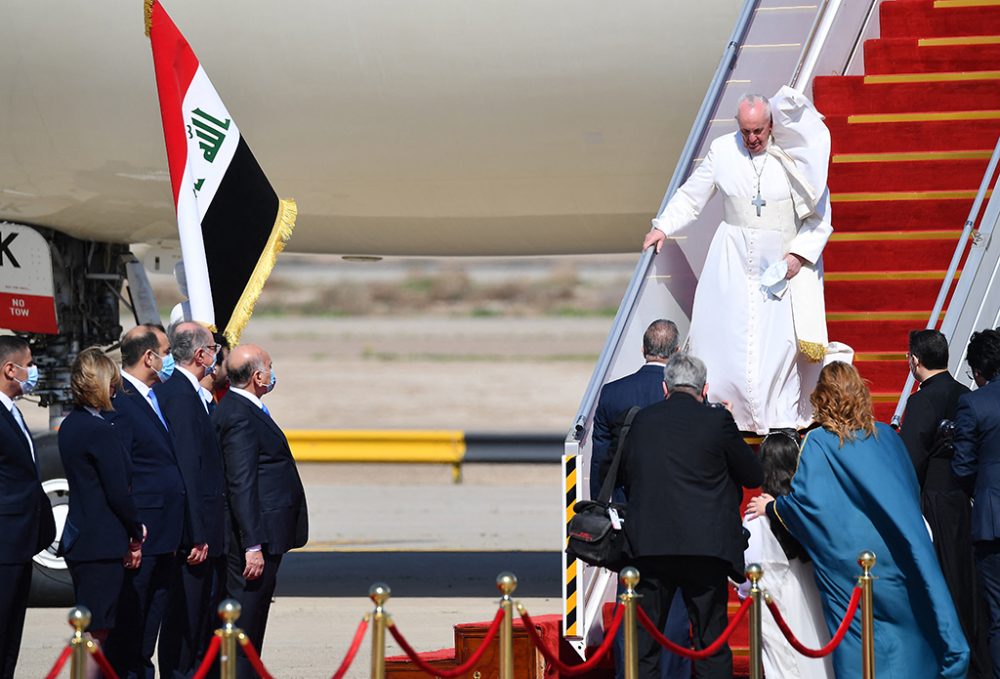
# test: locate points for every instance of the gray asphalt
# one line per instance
(438, 545)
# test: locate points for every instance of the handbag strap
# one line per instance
(609, 482)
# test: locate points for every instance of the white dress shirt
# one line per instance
(8, 403)
(206, 398)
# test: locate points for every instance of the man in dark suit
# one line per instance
(190, 616)
(642, 388)
(945, 505)
(158, 493)
(684, 464)
(26, 522)
(976, 465)
(267, 503)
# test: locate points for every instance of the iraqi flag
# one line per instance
(232, 224)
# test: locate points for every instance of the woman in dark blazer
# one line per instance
(102, 536)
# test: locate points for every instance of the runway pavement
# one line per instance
(438, 545)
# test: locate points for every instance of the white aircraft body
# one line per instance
(401, 127)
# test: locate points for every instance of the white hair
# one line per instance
(754, 100)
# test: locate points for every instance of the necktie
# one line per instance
(24, 428)
(156, 408)
(264, 408)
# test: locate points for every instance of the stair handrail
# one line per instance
(698, 131)
(963, 243)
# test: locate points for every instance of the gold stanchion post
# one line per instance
(754, 574)
(229, 611)
(867, 560)
(507, 583)
(630, 578)
(79, 620)
(379, 593)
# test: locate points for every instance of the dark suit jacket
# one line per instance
(200, 460)
(26, 522)
(937, 400)
(157, 486)
(266, 499)
(642, 388)
(102, 516)
(977, 456)
(683, 467)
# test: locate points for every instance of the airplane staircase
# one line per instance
(911, 139)
(914, 112)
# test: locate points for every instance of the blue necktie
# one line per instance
(156, 408)
(264, 408)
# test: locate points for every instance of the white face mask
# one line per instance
(29, 384)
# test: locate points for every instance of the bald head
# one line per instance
(249, 368)
(753, 115)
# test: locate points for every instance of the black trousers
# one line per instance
(255, 600)
(988, 564)
(141, 608)
(15, 581)
(191, 615)
(702, 583)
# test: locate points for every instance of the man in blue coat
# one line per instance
(976, 465)
(642, 388)
(186, 405)
(158, 493)
(267, 503)
(26, 522)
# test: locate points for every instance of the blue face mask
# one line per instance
(209, 369)
(274, 381)
(167, 369)
(31, 382)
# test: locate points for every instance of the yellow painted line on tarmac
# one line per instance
(315, 445)
(954, 76)
(877, 356)
(903, 195)
(955, 41)
(887, 275)
(874, 236)
(951, 4)
(921, 117)
(910, 157)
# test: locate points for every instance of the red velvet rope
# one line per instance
(457, 671)
(60, 663)
(359, 636)
(584, 667)
(253, 657)
(845, 624)
(210, 653)
(707, 652)
(106, 669)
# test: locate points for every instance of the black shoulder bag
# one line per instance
(596, 531)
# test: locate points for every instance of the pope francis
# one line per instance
(759, 320)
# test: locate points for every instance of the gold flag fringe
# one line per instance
(280, 233)
(147, 13)
(814, 351)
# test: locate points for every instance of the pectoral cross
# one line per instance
(758, 202)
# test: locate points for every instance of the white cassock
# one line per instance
(763, 350)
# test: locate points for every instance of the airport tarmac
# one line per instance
(439, 546)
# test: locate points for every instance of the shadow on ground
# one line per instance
(418, 574)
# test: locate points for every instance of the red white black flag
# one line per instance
(232, 224)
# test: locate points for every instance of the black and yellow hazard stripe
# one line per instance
(572, 575)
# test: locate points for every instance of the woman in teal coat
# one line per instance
(855, 490)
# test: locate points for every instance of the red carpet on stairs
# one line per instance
(911, 140)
